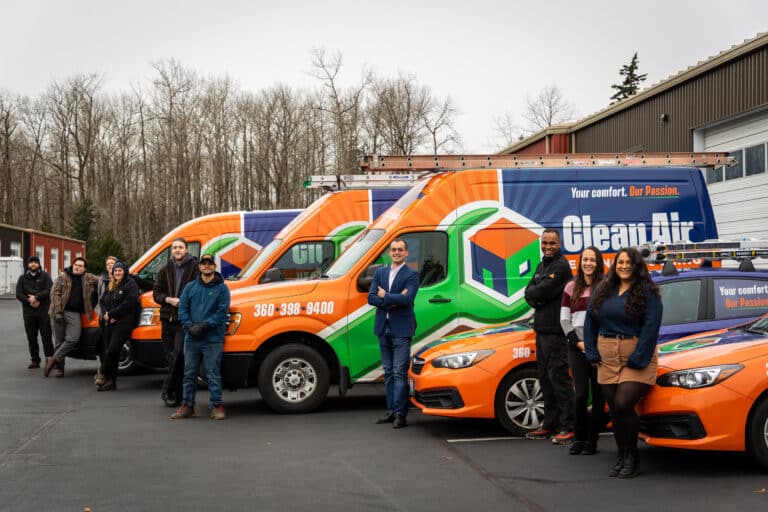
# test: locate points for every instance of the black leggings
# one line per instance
(117, 334)
(622, 399)
(588, 425)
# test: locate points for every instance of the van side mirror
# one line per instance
(366, 278)
(272, 275)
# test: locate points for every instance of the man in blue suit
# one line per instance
(393, 291)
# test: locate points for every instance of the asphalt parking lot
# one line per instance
(66, 447)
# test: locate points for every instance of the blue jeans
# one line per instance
(210, 355)
(396, 359)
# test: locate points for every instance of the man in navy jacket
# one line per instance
(393, 291)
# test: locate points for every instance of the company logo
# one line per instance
(501, 255)
(682, 346)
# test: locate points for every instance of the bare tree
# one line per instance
(507, 130)
(439, 122)
(400, 106)
(548, 108)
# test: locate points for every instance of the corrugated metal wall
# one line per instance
(732, 89)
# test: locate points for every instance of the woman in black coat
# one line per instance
(118, 312)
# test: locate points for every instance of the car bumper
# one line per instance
(148, 353)
(463, 393)
(712, 418)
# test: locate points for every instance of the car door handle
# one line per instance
(439, 300)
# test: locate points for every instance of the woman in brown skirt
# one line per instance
(620, 335)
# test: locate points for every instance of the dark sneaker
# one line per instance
(589, 448)
(389, 417)
(564, 437)
(542, 433)
(217, 413)
(576, 448)
(399, 421)
(183, 412)
(33, 365)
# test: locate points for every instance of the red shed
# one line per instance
(55, 252)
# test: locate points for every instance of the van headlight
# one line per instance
(461, 360)
(699, 377)
(149, 316)
(233, 323)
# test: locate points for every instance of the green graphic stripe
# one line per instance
(220, 244)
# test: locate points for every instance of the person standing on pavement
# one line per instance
(101, 288)
(393, 291)
(544, 294)
(204, 314)
(33, 290)
(118, 311)
(171, 281)
(73, 294)
(573, 311)
(620, 335)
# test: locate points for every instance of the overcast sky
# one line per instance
(487, 55)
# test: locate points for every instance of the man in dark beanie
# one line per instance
(33, 291)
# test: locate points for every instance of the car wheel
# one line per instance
(757, 434)
(294, 379)
(519, 402)
(125, 365)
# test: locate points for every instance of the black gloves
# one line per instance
(198, 330)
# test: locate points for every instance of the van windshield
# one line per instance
(354, 253)
(257, 261)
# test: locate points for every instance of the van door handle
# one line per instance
(439, 300)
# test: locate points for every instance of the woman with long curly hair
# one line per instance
(620, 335)
(573, 311)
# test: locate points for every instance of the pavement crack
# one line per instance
(10, 454)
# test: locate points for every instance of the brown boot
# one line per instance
(217, 413)
(108, 385)
(183, 412)
(50, 362)
(60, 370)
(99, 379)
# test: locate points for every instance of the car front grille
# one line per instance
(673, 426)
(447, 398)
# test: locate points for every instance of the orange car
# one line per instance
(712, 393)
(456, 376)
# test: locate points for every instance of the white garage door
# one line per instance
(739, 193)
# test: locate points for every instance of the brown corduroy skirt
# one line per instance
(613, 368)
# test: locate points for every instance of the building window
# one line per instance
(715, 174)
(736, 170)
(15, 249)
(754, 160)
(67, 258)
(40, 252)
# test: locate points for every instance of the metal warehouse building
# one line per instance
(720, 104)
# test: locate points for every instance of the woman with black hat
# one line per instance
(118, 311)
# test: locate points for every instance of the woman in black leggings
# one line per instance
(620, 335)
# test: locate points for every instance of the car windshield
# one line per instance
(354, 253)
(257, 261)
(760, 327)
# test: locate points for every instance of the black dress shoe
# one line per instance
(387, 418)
(399, 421)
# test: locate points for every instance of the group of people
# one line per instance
(596, 337)
(194, 304)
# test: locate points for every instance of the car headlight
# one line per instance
(233, 323)
(699, 377)
(461, 360)
(149, 316)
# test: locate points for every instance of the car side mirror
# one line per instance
(366, 278)
(272, 275)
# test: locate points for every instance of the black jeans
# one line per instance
(34, 324)
(173, 338)
(588, 425)
(117, 334)
(556, 383)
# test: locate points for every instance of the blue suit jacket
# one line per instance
(402, 321)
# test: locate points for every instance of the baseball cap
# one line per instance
(207, 258)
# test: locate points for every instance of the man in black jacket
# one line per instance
(33, 291)
(544, 294)
(171, 280)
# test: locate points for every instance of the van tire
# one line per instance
(125, 364)
(757, 434)
(294, 379)
(519, 403)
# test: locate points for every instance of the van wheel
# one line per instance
(294, 379)
(757, 434)
(125, 365)
(519, 402)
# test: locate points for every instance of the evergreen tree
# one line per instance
(83, 221)
(631, 82)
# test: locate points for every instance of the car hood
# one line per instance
(271, 291)
(712, 348)
(491, 337)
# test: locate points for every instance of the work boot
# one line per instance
(389, 417)
(108, 385)
(576, 448)
(183, 412)
(399, 422)
(98, 379)
(217, 413)
(50, 362)
(629, 469)
(616, 469)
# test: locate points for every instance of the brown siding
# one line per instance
(736, 87)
